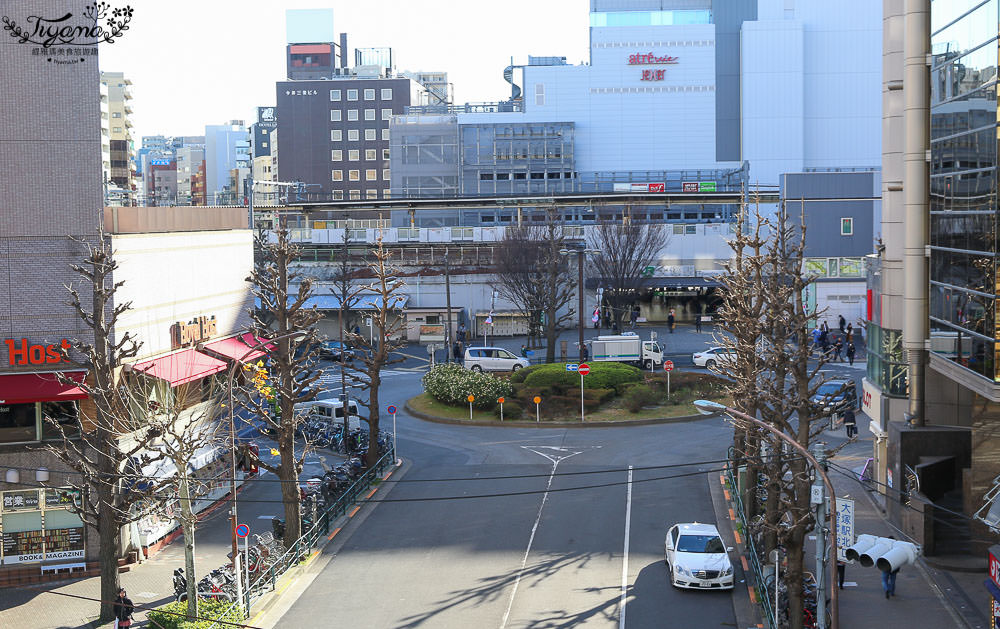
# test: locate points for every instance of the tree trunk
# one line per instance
(110, 536)
(793, 582)
(371, 457)
(289, 487)
(187, 522)
(551, 335)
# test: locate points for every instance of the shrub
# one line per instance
(602, 376)
(213, 610)
(639, 396)
(452, 384)
(511, 410)
(519, 375)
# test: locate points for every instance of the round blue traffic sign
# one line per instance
(391, 409)
(242, 530)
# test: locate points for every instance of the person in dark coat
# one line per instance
(458, 352)
(123, 609)
(838, 348)
(851, 424)
(842, 323)
(697, 323)
(850, 352)
(670, 320)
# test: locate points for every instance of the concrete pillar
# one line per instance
(916, 125)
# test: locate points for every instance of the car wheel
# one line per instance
(649, 364)
(477, 368)
(709, 363)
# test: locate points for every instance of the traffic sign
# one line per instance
(471, 399)
(537, 400)
(242, 531)
(584, 369)
(500, 400)
(668, 365)
(391, 409)
(572, 366)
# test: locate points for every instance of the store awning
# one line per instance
(181, 367)
(25, 388)
(243, 348)
(307, 49)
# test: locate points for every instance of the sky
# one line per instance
(209, 62)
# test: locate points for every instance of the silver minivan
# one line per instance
(493, 359)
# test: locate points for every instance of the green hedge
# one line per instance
(452, 384)
(213, 610)
(511, 410)
(602, 376)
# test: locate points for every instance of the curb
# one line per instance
(744, 599)
(310, 567)
(550, 424)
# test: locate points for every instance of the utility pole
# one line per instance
(579, 289)
(447, 296)
(819, 499)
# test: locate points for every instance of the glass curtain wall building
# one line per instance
(963, 184)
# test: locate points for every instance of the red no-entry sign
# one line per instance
(584, 369)
(668, 365)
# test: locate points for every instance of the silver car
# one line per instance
(493, 359)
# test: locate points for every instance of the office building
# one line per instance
(260, 141)
(436, 88)
(226, 147)
(190, 163)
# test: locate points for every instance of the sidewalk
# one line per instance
(151, 582)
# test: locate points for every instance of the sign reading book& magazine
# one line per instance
(37, 525)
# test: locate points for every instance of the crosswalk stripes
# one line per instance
(329, 378)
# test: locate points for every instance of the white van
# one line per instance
(493, 359)
(332, 409)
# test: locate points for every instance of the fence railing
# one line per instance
(753, 556)
(266, 580)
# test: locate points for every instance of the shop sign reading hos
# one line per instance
(24, 353)
(651, 59)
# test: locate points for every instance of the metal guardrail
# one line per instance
(267, 580)
(753, 557)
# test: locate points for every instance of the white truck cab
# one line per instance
(332, 410)
(626, 348)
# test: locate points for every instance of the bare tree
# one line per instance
(184, 427)
(626, 248)
(530, 272)
(109, 440)
(346, 290)
(387, 320)
(282, 314)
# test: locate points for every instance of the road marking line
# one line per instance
(330, 536)
(726, 493)
(736, 534)
(753, 597)
(534, 527)
(371, 493)
(746, 566)
(355, 510)
(628, 524)
(732, 515)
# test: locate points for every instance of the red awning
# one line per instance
(24, 388)
(181, 367)
(243, 348)
(308, 49)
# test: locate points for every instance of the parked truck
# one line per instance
(627, 348)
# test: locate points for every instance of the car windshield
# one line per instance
(830, 388)
(700, 544)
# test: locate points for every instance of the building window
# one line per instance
(117, 114)
(334, 95)
(385, 153)
(338, 195)
(539, 94)
(846, 226)
(386, 94)
(370, 134)
(385, 135)
(353, 155)
(336, 135)
(117, 129)
(352, 135)
(354, 175)
(369, 94)
(371, 194)
(371, 174)
(371, 155)
(385, 174)
(386, 114)
(338, 175)
(336, 155)
(352, 94)
(335, 115)
(369, 114)
(386, 194)
(352, 114)
(355, 195)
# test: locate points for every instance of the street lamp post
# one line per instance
(580, 254)
(707, 407)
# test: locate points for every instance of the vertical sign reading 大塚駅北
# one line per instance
(651, 59)
(66, 38)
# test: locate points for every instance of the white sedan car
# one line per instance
(696, 558)
(713, 356)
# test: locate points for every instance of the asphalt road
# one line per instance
(548, 558)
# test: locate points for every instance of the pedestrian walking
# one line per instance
(850, 332)
(524, 350)
(607, 319)
(635, 316)
(461, 332)
(850, 352)
(816, 333)
(697, 323)
(842, 322)
(670, 320)
(824, 341)
(586, 353)
(123, 609)
(458, 352)
(889, 580)
(841, 569)
(850, 424)
(596, 318)
(838, 347)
